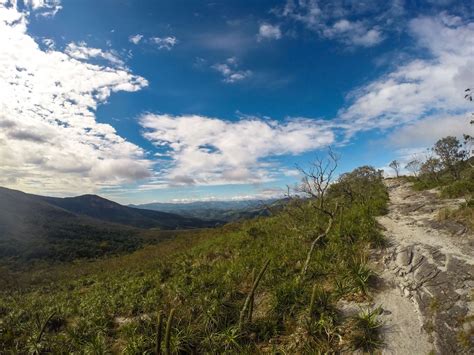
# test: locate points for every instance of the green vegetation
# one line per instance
(452, 172)
(36, 228)
(367, 334)
(213, 291)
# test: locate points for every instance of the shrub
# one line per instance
(458, 188)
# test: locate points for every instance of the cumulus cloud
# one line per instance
(49, 43)
(267, 31)
(164, 42)
(419, 88)
(50, 139)
(421, 100)
(426, 132)
(135, 39)
(81, 51)
(230, 71)
(47, 8)
(210, 151)
(331, 20)
(354, 33)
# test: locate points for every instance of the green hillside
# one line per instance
(44, 228)
(206, 277)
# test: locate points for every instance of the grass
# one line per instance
(451, 188)
(111, 305)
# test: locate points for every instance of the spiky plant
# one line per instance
(366, 333)
(360, 274)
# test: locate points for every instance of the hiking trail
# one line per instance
(426, 275)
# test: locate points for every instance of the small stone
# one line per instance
(404, 257)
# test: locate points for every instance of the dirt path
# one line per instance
(428, 276)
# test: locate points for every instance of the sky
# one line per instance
(142, 101)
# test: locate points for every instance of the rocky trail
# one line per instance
(426, 276)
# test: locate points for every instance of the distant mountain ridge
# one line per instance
(41, 227)
(100, 208)
(214, 210)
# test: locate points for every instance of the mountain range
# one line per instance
(227, 211)
(38, 227)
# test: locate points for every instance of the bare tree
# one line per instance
(317, 179)
(414, 166)
(395, 165)
(315, 184)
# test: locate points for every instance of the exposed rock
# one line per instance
(433, 266)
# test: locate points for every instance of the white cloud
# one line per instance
(413, 140)
(353, 33)
(425, 133)
(50, 140)
(210, 151)
(267, 31)
(419, 88)
(81, 51)
(135, 39)
(330, 20)
(49, 43)
(230, 71)
(160, 42)
(45, 8)
(421, 100)
(164, 42)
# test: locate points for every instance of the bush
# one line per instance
(367, 334)
(458, 188)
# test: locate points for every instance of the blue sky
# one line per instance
(145, 101)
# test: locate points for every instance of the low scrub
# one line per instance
(458, 188)
(224, 295)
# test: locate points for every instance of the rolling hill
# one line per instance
(227, 211)
(39, 227)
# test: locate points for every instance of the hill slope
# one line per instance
(100, 208)
(111, 305)
(38, 227)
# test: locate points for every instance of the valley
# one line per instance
(36, 227)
